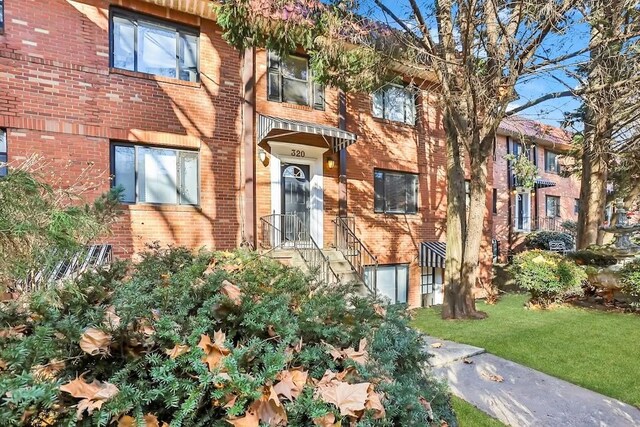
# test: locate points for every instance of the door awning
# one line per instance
(337, 139)
(433, 254)
(540, 183)
(543, 183)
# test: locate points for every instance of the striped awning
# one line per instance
(543, 183)
(540, 183)
(338, 139)
(433, 254)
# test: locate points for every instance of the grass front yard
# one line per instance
(594, 349)
(470, 416)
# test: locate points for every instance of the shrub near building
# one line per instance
(547, 276)
(211, 339)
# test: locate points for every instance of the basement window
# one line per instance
(155, 175)
(395, 192)
(392, 282)
(153, 46)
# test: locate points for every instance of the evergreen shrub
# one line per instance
(630, 278)
(211, 339)
(541, 239)
(547, 276)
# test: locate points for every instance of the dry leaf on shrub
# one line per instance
(214, 351)
(150, 420)
(374, 403)
(232, 292)
(48, 371)
(348, 398)
(268, 409)
(3, 365)
(328, 420)
(291, 383)
(361, 356)
(94, 342)
(177, 350)
(93, 395)
(13, 332)
(111, 319)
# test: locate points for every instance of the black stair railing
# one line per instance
(359, 257)
(287, 231)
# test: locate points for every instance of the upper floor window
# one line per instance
(149, 45)
(551, 162)
(155, 175)
(1, 16)
(3, 152)
(552, 206)
(396, 103)
(289, 80)
(395, 192)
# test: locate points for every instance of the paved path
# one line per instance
(519, 396)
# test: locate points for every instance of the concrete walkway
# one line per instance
(519, 396)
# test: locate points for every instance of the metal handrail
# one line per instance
(288, 231)
(355, 251)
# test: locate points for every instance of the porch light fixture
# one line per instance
(331, 163)
(262, 155)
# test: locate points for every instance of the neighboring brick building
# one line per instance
(215, 148)
(553, 200)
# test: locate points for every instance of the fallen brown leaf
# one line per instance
(48, 371)
(13, 332)
(492, 377)
(249, 420)
(94, 342)
(374, 403)
(361, 356)
(93, 395)
(214, 351)
(328, 420)
(467, 361)
(232, 292)
(348, 398)
(111, 319)
(436, 345)
(291, 382)
(177, 350)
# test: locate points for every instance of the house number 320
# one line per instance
(298, 153)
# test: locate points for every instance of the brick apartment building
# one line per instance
(216, 149)
(554, 198)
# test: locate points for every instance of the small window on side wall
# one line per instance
(396, 103)
(155, 175)
(552, 162)
(395, 192)
(3, 152)
(392, 282)
(153, 46)
(290, 80)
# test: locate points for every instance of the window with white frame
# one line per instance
(153, 46)
(395, 192)
(3, 152)
(552, 206)
(392, 282)
(552, 162)
(289, 79)
(396, 103)
(155, 175)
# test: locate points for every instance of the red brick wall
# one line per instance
(567, 188)
(59, 99)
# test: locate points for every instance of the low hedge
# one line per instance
(547, 276)
(630, 278)
(211, 339)
(541, 239)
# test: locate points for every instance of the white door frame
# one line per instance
(303, 155)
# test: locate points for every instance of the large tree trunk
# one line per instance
(464, 231)
(593, 194)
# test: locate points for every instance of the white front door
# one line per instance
(522, 217)
(305, 159)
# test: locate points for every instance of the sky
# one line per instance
(551, 112)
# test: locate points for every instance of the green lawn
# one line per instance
(470, 416)
(595, 349)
